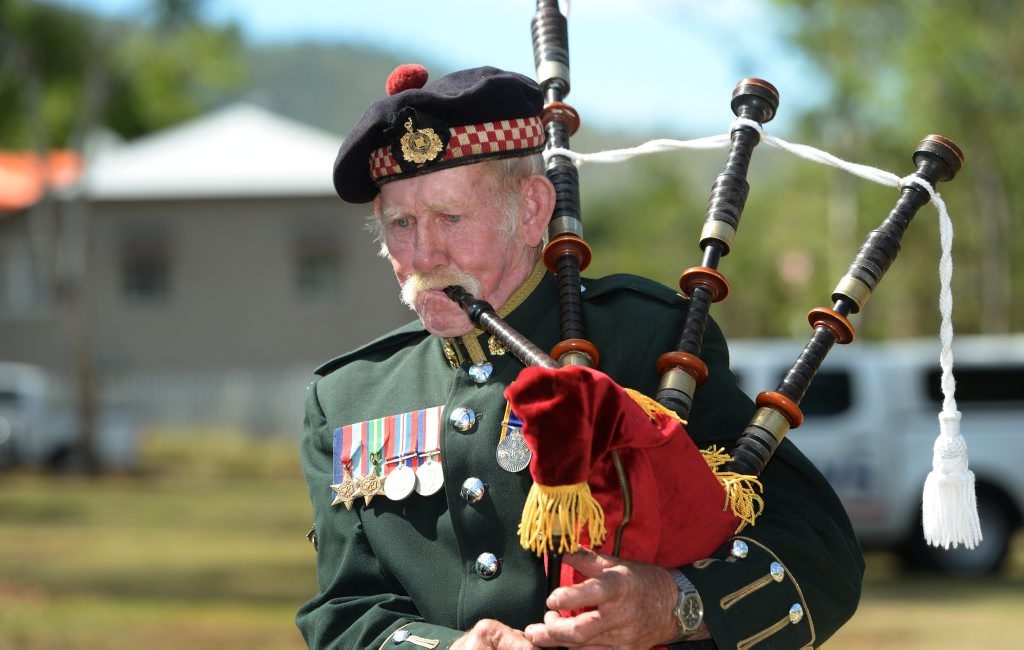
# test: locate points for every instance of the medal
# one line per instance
(348, 490)
(400, 482)
(347, 449)
(401, 449)
(372, 485)
(513, 455)
(429, 477)
(430, 474)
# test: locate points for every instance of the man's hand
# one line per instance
(489, 634)
(629, 605)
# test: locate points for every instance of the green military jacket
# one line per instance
(789, 581)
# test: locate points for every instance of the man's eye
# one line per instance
(401, 222)
(453, 218)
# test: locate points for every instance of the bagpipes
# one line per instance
(595, 480)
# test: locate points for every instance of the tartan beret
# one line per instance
(462, 118)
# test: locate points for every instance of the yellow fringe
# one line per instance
(560, 513)
(650, 406)
(741, 490)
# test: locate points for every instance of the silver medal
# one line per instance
(429, 478)
(399, 483)
(513, 455)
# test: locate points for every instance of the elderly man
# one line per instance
(432, 558)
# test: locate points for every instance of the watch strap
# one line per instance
(687, 591)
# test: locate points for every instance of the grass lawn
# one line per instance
(205, 548)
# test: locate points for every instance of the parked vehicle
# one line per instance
(870, 423)
(39, 426)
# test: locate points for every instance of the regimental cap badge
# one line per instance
(417, 139)
(420, 145)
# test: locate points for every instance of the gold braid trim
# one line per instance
(742, 491)
(471, 340)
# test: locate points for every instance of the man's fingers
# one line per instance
(599, 587)
(489, 634)
(557, 631)
(587, 562)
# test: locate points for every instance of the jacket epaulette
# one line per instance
(410, 332)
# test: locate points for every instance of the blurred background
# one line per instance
(174, 263)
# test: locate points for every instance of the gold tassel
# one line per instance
(741, 490)
(650, 406)
(560, 512)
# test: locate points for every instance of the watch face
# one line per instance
(693, 612)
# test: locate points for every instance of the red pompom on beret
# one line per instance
(405, 77)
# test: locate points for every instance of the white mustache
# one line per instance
(419, 282)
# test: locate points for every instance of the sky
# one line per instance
(664, 65)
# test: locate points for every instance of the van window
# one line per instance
(829, 394)
(979, 387)
(9, 397)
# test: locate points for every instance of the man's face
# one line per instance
(451, 227)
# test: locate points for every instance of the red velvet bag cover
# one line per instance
(574, 417)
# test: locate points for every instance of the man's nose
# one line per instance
(430, 250)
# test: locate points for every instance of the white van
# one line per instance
(870, 422)
(38, 423)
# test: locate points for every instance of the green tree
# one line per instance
(64, 71)
(896, 71)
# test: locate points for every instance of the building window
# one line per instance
(145, 269)
(23, 291)
(317, 269)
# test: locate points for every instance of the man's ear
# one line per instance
(538, 204)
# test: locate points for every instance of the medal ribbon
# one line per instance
(375, 445)
(400, 432)
(347, 448)
(431, 431)
(411, 437)
(418, 434)
(511, 421)
(407, 437)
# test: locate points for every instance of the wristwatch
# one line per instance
(689, 611)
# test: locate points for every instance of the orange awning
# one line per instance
(24, 176)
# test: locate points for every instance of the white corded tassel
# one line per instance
(950, 510)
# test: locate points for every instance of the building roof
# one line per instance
(241, 150)
(25, 177)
